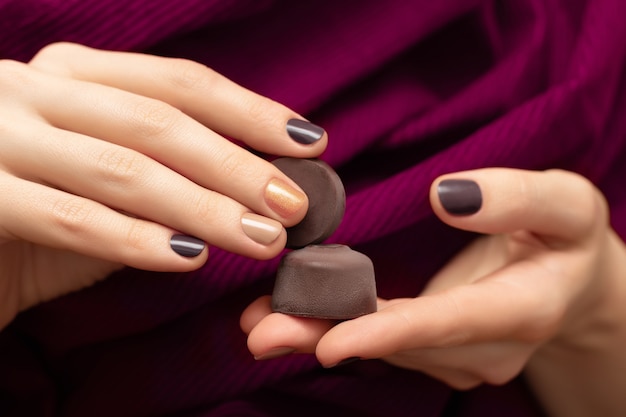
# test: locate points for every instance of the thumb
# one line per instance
(558, 206)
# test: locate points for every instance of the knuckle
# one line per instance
(14, 75)
(589, 191)
(136, 239)
(189, 75)
(231, 166)
(591, 208)
(53, 56)
(204, 206)
(71, 215)
(54, 50)
(259, 112)
(152, 118)
(525, 196)
(119, 166)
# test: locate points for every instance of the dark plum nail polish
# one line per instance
(346, 361)
(186, 246)
(460, 197)
(304, 132)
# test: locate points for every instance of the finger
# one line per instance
(196, 90)
(171, 138)
(131, 182)
(53, 218)
(270, 332)
(556, 205)
(522, 301)
(255, 312)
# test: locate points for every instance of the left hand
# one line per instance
(547, 271)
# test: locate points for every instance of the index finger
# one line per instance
(198, 91)
(512, 303)
(555, 204)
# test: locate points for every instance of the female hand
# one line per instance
(546, 281)
(111, 159)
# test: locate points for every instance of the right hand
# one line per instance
(105, 156)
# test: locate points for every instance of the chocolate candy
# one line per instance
(322, 281)
(325, 281)
(327, 200)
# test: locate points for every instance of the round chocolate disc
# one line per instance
(327, 200)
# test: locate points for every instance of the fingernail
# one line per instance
(460, 197)
(275, 353)
(345, 362)
(304, 132)
(187, 246)
(260, 229)
(283, 198)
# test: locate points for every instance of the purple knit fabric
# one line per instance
(407, 90)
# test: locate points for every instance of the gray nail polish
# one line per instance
(187, 246)
(460, 197)
(304, 132)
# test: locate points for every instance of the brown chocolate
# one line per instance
(327, 200)
(325, 281)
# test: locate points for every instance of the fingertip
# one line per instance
(307, 140)
(187, 246)
(456, 196)
(277, 330)
(462, 200)
(304, 132)
(183, 253)
(254, 313)
(285, 199)
(191, 253)
(264, 251)
(268, 234)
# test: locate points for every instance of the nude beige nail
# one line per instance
(284, 199)
(260, 229)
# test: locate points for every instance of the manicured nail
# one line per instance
(304, 132)
(275, 353)
(460, 197)
(260, 229)
(345, 362)
(283, 198)
(187, 246)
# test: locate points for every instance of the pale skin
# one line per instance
(105, 155)
(542, 293)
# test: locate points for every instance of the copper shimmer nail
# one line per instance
(284, 199)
